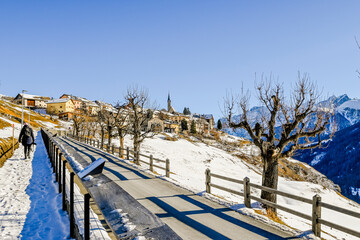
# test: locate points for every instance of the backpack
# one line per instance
(27, 132)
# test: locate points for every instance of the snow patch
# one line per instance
(317, 159)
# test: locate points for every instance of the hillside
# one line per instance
(10, 115)
(238, 158)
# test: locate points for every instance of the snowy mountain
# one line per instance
(346, 113)
(339, 160)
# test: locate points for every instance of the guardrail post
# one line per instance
(71, 207)
(113, 149)
(49, 153)
(127, 153)
(60, 156)
(316, 215)
(167, 167)
(87, 216)
(56, 162)
(151, 163)
(64, 185)
(247, 199)
(208, 180)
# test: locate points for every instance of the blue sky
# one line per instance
(196, 50)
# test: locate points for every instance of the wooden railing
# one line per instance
(62, 168)
(117, 151)
(316, 203)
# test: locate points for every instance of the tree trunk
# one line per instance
(102, 138)
(270, 179)
(109, 136)
(122, 146)
(136, 147)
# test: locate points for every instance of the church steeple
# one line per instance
(170, 108)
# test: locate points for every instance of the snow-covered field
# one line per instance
(30, 207)
(189, 160)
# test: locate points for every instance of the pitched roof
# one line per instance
(61, 100)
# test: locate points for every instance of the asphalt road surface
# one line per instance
(189, 215)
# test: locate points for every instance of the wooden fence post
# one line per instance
(71, 207)
(167, 167)
(127, 153)
(60, 157)
(56, 163)
(208, 180)
(120, 155)
(151, 163)
(112, 149)
(247, 201)
(64, 186)
(87, 216)
(316, 215)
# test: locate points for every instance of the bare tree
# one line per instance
(78, 120)
(107, 123)
(301, 124)
(122, 124)
(139, 115)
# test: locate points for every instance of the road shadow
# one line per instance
(184, 216)
(119, 163)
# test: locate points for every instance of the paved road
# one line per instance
(189, 215)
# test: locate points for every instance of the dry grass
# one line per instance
(9, 109)
(291, 170)
(5, 149)
(4, 124)
(271, 215)
(173, 139)
(254, 160)
(216, 135)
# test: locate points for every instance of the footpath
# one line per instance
(30, 207)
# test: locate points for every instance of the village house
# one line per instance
(82, 103)
(76, 100)
(59, 106)
(32, 101)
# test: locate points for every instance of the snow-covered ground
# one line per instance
(189, 160)
(30, 207)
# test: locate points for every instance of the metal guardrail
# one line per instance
(316, 203)
(60, 164)
(119, 151)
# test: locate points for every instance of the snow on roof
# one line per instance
(30, 96)
(61, 100)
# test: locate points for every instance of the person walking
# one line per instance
(26, 137)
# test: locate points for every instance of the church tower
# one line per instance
(170, 108)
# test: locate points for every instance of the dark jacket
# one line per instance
(25, 140)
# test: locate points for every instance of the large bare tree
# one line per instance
(300, 123)
(140, 112)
